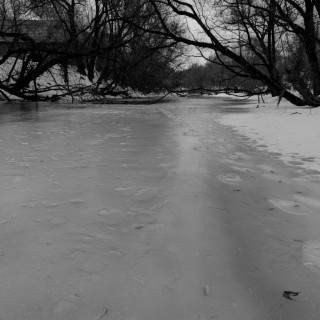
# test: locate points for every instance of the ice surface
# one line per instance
(131, 210)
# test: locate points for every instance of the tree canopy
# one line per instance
(91, 36)
(272, 41)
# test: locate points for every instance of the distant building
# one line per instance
(30, 33)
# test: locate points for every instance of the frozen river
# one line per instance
(148, 213)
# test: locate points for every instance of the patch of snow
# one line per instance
(289, 132)
(52, 82)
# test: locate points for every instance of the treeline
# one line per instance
(219, 73)
(210, 77)
(269, 46)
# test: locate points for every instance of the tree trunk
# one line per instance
(311, 47)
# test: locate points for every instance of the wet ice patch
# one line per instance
(290, 206)
(229, 178)
(311, 255)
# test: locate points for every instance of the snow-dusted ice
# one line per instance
(289, 132)
(151, 213)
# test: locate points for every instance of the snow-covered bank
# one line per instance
(291, 132)
(56, 81)
(66, 84)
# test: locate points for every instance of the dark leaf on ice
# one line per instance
(289, 294)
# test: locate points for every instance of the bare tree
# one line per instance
(149, 60)
(257, 36)
(90, 35)
(36, 36)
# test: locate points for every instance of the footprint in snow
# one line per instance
(229, 178)
(290, 206)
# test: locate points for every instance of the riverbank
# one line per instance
(288, 132)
